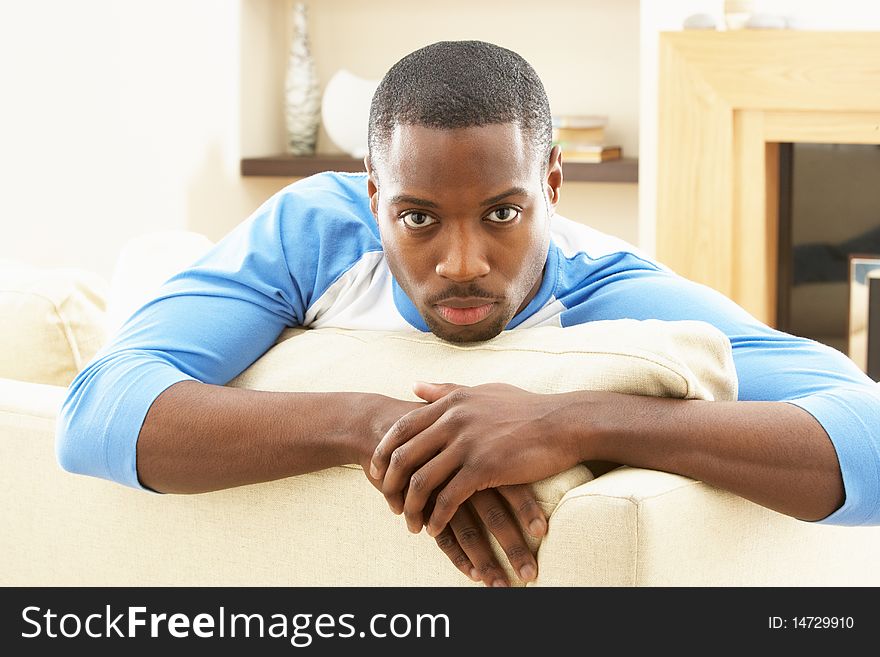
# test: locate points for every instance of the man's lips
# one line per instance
(464, 311)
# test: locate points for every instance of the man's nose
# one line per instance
(464, 256)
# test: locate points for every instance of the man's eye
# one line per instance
(417, 219)
(503, 215)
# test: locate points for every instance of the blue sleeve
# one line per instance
(771, 366)
(211, 321)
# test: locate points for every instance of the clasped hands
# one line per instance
(463, 461)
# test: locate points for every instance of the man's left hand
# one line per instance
(468, 439)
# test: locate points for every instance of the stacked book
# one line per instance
(582, 139)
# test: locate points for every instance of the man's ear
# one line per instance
(553, 182)
(372, 187)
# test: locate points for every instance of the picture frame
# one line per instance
(864, 313)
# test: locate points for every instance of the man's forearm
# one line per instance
(199, 437)
(772, 453)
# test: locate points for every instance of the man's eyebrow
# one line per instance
(421, 202)
(513, 191)
(411, 200)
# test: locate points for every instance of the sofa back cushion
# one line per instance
(52, 322)
(685, 359)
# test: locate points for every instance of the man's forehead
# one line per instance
(489, 160)
(493, 136)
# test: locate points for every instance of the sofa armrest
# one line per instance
(627, 527)
(38, 401)
(636, 527)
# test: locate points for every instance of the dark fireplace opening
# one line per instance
(829, 213)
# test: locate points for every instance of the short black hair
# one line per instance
(461, 84)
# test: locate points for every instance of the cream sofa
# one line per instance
(627, 527)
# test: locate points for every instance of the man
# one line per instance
(452, 230)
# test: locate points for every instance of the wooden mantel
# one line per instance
(727, 99)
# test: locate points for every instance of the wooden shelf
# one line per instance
(624, 170)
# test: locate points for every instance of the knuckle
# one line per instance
(417, 482)
(400, 428)
(461, 560)
(516, 552)
(443, 501)
(486, 567)
(495, 517)
(459, 395)
(446, 541)
(478, 467)
(527, 505)
(454, 417)
(398, 457)
(470, 536)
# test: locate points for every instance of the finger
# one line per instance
(422, 485)
(498, 518)
(475, 544)
(448, 544)
(406, 465)
(448, 499)
(432, 392)
(411, 424)
(529, 513)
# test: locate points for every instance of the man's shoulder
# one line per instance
(574, 239)
(320, 225)
(329, 205)
(354, 183)
(332, 193)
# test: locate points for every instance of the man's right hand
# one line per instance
(507, 512)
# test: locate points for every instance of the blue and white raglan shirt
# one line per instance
(311, 256)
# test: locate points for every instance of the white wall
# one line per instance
(120, 117)
(117, 118)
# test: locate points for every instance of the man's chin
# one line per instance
(480, 332)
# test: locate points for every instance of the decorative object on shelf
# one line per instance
(345, 111)
(579, 129)
(582, 139)
(766, 22)
(591, 153)
(736, 13)
(302, 98)
(700, 22)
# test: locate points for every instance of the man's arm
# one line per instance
(807, 418)
(151, 408)
(198, 437)
(772, 453)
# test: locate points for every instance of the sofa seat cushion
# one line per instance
(53, 322)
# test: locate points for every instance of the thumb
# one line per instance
(431, 392)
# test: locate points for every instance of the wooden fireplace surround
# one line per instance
(726, 100)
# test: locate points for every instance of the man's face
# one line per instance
(464, 220)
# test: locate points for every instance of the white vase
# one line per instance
(302, 98)
(345, 111)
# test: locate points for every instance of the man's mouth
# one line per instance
(464, 311)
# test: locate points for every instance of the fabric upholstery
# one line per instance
(53, 322)
(688, 360)
(624, 528)
(684, 359)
